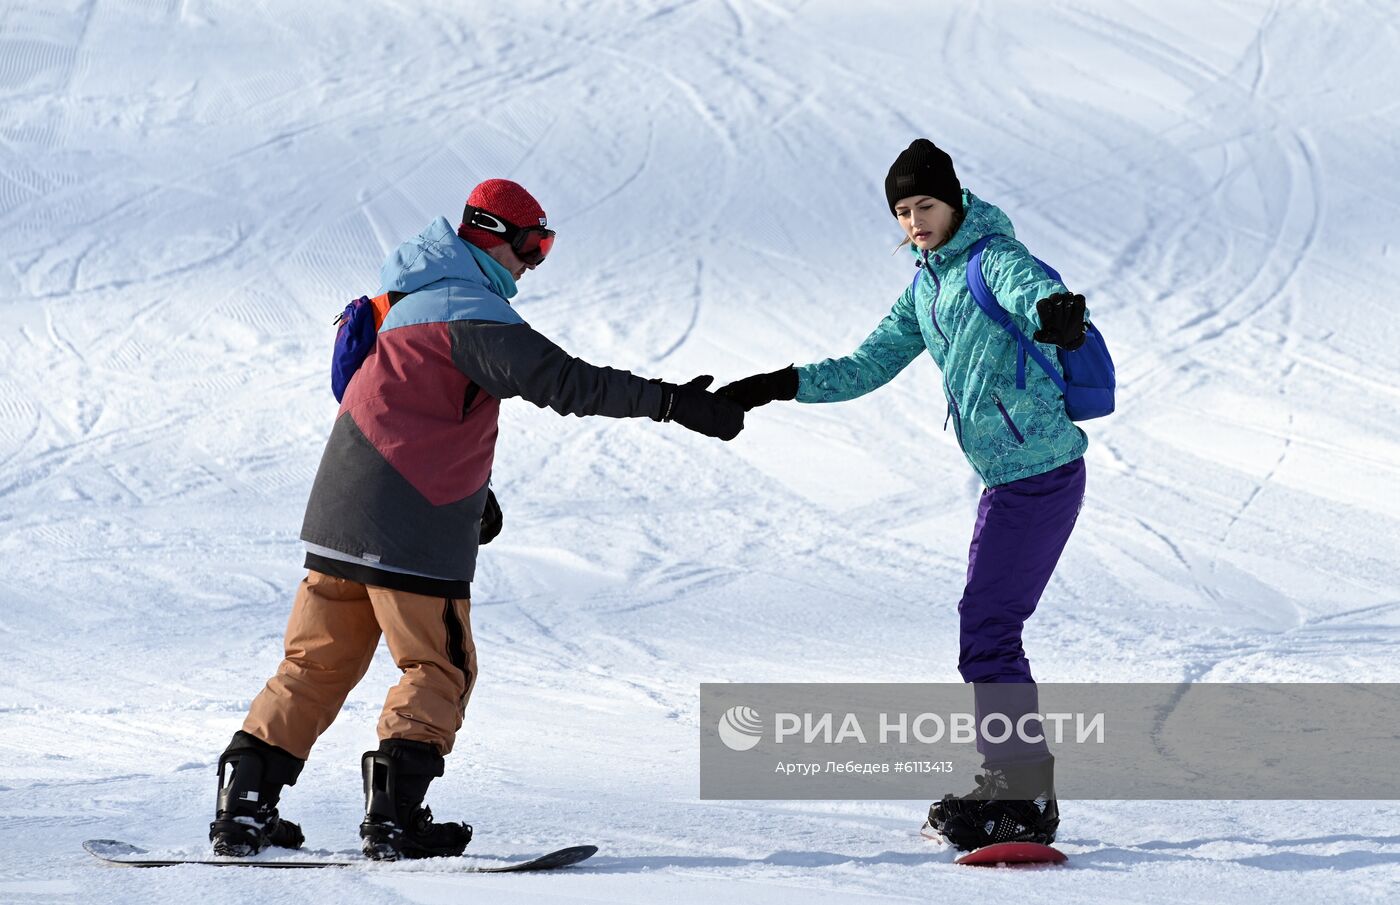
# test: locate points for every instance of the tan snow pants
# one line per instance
(331, 638)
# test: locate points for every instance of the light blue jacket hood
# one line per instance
(438, 253)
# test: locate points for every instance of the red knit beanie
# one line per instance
(507, 200)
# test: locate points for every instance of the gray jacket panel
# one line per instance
(509, 360)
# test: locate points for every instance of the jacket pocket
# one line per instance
(1006, 416)
(468, 399)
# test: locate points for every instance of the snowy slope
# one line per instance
(191, 189)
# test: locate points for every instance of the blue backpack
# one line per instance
(358, 330)
(1088, 382)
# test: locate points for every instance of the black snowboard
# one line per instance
(127, 855)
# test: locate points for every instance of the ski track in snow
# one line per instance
(191, 189)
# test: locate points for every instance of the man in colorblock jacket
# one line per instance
(400, 502)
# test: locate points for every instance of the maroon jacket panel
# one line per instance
(411, 403)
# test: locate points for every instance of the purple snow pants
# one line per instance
(1022, 528)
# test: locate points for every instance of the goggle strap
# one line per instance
(515, 236)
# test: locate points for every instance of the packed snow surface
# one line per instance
(191, 189)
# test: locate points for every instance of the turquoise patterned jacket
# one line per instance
(1007, 434)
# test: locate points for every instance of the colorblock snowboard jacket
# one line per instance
(1005, 433)
(402, 483)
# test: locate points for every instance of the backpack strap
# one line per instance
(987, 301)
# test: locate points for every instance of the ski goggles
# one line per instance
(530, 243)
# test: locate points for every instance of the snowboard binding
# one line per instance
(396, 823)
(990, 814)
(251, 776)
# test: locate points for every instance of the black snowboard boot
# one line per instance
(396, 824)
(251, 776)
(1012, 803)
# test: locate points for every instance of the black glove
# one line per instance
(705, 413)
(490, 518)
(761, 389)
(1061, 320)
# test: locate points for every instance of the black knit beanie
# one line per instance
(923, 169)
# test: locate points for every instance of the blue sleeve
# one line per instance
(895, 343)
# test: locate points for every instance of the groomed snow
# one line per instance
(190, 190)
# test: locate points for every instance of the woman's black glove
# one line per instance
(761, 389)
(490, 518)
(1061, 320)
(705, 413)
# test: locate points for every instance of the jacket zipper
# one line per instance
(953, 411)
(933, 306)
(1006, 416)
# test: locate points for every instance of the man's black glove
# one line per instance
(705, 413)
(1061, 320)
(490, 518)
(761, 389)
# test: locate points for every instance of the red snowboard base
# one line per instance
(1013, 854)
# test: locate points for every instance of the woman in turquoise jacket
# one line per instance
(1021, 443)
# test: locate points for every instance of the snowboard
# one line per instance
(127, 855)
(1013, 854)
(1004, 854)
